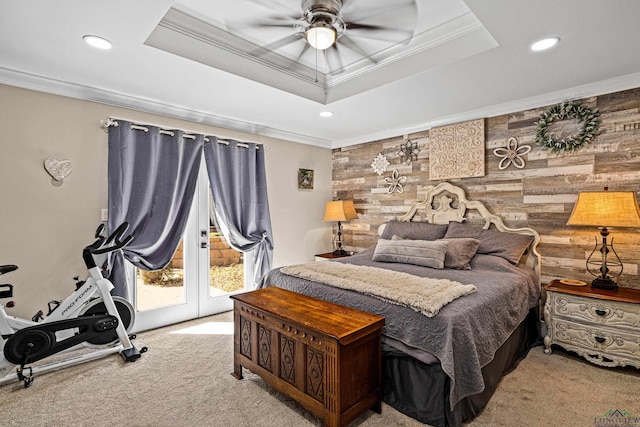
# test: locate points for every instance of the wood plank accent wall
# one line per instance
(540, 196)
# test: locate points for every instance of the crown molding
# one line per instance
(72, 90)
(603, 87)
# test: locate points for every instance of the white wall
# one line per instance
(43, 227)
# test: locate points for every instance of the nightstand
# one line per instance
(328, 256)
(601, 325)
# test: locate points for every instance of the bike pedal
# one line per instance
(26, 379)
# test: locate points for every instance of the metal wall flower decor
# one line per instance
(512, 154)
(587, 117)
(380, 164)
(408, 151)
(395, 182)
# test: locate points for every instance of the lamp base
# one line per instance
(340, 252)
(604, 283)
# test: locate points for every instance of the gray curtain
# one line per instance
(239, 189)
(152, 180)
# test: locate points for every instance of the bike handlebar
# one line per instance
(103, 245)
(116, 237)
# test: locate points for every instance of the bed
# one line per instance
(444, 351)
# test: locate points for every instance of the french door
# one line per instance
(202, 275)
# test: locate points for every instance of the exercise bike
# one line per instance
(90, 317)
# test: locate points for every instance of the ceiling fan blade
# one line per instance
(396, 35)
(292, 38)
(331, 54)
(407, 7)
(283, 5)
(304, 49)
(351, 44)
(276, 22)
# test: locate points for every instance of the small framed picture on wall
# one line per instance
(305, 179)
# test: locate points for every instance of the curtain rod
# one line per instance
(113, 121)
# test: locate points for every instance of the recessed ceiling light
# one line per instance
(98, 42)
(326, 114)
(544, 44)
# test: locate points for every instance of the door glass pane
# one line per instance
(226, 266)
(162, 288)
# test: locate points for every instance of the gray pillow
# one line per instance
(510, 246)
(414, 230)
(459, 252)
(419, 252)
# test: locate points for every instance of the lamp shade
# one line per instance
(340, 210)
(606, 209)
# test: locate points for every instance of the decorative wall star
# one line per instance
(408, 152)
(395, 182)
(512, 154)
(380, 164)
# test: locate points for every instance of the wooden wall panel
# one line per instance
(540, 196)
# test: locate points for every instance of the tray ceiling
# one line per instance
(197, 60)
(220, 35)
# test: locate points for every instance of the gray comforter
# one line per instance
(465, 334)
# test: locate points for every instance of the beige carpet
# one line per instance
(184, 380)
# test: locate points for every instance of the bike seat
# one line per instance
(4, 269)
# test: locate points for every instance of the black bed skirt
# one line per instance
(421, 391)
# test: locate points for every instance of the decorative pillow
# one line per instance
(414, 230)
(419, 252)
(459, 252)
(510, 246)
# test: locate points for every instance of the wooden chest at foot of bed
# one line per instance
(325, 356)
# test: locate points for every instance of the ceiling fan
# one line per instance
(331, 26)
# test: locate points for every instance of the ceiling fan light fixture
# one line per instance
(321, 36)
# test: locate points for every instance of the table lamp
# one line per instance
(605, 209)
(340, 210)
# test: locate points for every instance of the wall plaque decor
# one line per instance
(305, 179)
(58, 169)
(380, 164)
(408, 151)
(512, 154)
(395, 182)
(457, 151)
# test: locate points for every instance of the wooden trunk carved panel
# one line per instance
(264, 344)
(245, 337)
(287, 359)
(315, 374)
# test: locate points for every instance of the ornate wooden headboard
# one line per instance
(445, 203)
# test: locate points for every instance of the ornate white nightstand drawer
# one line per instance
(601, 325)
(599, 344)
(597, 311)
